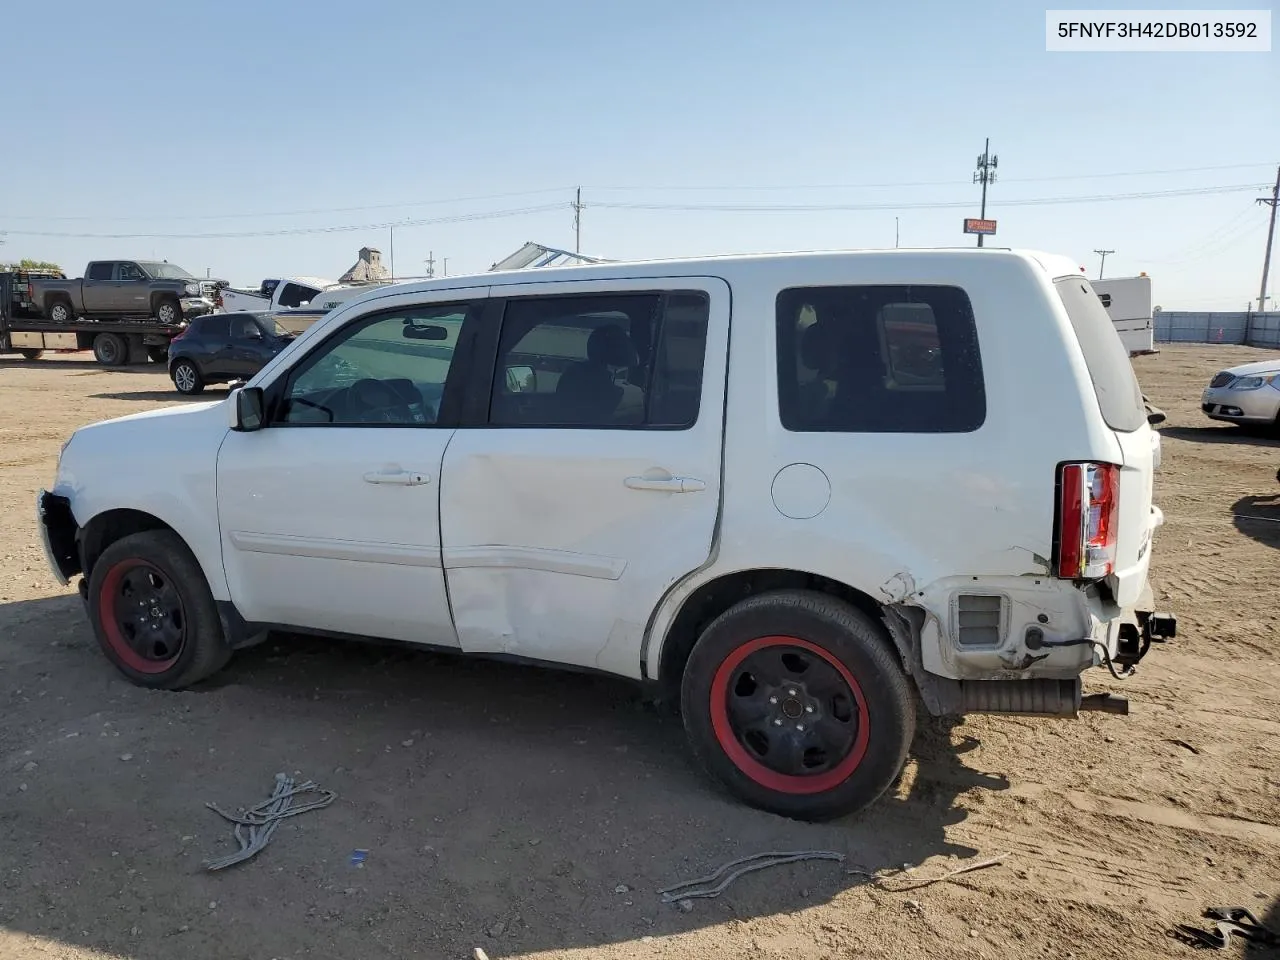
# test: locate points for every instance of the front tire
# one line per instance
(795, 702)
(31, 354)
(168, 311)
(153, 613)
(186, 378)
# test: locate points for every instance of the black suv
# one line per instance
(221, 347)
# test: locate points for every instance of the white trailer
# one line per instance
(1128, 301)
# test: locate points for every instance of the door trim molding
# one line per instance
(492, 556)
(363, 551)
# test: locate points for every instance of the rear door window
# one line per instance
(1114, 383)
(879, 359)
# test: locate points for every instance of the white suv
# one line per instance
(804, 491)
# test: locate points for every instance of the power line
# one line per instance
(720, 187)
(922, 183)
(673, 207)
(299, 213)
(922, 205)
(297, 231)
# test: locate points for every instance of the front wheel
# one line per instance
(31, 354)
(186, 377)
(795, 701)
(153, 613)
(168, 311)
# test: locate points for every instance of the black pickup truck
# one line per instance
(122, 289)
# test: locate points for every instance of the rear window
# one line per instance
(879, 359)
(1119, 396)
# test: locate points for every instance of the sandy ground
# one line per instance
(535, 814)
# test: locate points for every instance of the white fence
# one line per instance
(1253, 329)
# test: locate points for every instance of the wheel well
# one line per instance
(160, 296)
(714, 598)
(106, 528)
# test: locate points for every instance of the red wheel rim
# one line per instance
(142, 616)
(731, 738)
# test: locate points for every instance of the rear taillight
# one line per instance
(180, 334)
(1088, 515)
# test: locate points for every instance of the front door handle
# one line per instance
(667, 485)
(400, 478)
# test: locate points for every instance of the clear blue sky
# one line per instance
(169, 118)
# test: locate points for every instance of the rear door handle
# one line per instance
(668, 485)
(400, 478)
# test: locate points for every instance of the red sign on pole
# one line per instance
(985, 227)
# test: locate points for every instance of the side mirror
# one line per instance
(521, 379)
(246, 406)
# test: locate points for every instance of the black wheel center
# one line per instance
(149, 613)
(792, 710)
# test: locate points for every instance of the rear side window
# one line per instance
(212, 328)
(102, 271)
(879, 359)
(1119, 396)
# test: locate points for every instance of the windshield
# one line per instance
(166, 271)
(1119, 395)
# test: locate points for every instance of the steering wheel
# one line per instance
(374, 402)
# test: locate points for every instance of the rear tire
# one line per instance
(795, 702)
(31, 354)
(172, 636)
(168, 311)
(186, 378)
(60, 312)
(110, 350)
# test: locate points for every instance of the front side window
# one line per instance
(387, 369)
(244, 327)
(601, 361)
(878, 359)
(129, 271)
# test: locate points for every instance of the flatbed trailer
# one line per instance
(114, 343)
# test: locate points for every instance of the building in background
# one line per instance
(368, 267)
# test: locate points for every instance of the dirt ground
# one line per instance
(536, 814)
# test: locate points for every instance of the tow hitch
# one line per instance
(1136, 639)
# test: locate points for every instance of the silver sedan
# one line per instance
(1247, 394)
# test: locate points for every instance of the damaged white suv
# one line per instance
(806, 492)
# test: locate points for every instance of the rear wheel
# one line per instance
(153, 614)
(795, 701)
(186, 377)
(31, 354)
(110, 350)
(60, 312)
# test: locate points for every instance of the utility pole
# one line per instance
(431, 263)
(577, 222)
(444, 271)
(1271, 201)
(895, 233)
(393, 253)
(985, 174)
(1102, 265)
